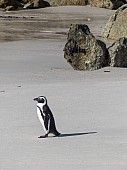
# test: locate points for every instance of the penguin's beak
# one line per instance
(35, 99)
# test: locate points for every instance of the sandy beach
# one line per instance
(89, 107)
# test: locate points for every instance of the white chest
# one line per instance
(39, 112)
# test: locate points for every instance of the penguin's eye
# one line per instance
(42, 100)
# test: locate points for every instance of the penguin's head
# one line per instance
(41, 99)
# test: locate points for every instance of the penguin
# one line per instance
(46, 117)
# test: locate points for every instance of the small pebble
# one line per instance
(107, 71)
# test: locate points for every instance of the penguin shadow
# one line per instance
(76, 134)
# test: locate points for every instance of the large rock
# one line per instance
(116, 27)
(83, 51)
(118, 53)
(36, 4)
(68, 2)
(109, 4)
(5, 3)
(9, 8)
(15, 4)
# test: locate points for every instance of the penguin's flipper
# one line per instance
(47, 117)
(47, 122)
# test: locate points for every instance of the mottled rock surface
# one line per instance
(5, 3)
(116, 26)
(109, 4)
(83, 51)
(10, 5)
(118, 53)
(68, 2)
(36, 4)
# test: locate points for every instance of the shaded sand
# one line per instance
(50, 22)
(89, 108)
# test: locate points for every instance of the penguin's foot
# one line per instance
(43, 136)
(57, 135)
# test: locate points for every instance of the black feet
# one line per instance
(57, 134)
(43, 136)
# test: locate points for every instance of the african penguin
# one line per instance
(46, 117)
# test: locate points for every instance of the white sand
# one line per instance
(89, 108)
